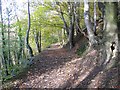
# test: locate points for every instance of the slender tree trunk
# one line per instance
(9, 54)
(95, 17)
(63, 19)
(23, 51)
(27, 34)
(37, 36)
(79, 31)
(65, 24)
(90, 32)
(118, 14)
(19, 52)
(77, 18)
(40, 41)
(3, 42)
(72, 20)
(101, 7)
(20, 43)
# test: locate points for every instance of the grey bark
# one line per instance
(9, 54)
(95, 17)
(77, 17)
(72, 20)
(19, 53)
(79, 31)
(90, 32)
(3, 43)
(37, 36)
(118, 14)
(63, 19)
(27, 34)
(20, 43)
(101, 7)
(111, 34)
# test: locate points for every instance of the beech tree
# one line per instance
(37, 36)
(20, 41)
(4, 54)
(90, 32)
(27, 33)
(95, 17)
(77, 18)
(68, 25)
(72, 20)
(8, 28)
(110, 35)
(109, 41)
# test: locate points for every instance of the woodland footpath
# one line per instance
(59, 44)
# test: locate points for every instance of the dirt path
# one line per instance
(50, 69)
(57, 68)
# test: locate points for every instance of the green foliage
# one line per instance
(15, 70)
(81, 49)
(45, 19)
(48, 37)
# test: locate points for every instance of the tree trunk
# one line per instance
(20, 45)
(77, 17)
(20, 41)
(20, 49)
(40, 41)
(95, 17)
(90, 32)
(79, 31)
(9, 54)
(63, 19)
(37, 36)
(3, 43)
(111, 34)
(72, 20)
(118, 13)
(27, 34)
(101, 7)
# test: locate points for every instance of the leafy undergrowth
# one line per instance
(83, 47)
(58, 68)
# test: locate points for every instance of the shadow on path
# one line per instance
(91, 76)
(45, 62)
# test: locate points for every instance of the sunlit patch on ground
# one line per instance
(61, 69)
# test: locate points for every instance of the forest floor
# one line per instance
(58, 68)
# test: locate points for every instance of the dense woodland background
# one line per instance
(31, 27)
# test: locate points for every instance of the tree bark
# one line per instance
(19, 53)
(3, 43)
(118, 14)
(20, 44)
(90, 32)
(72, 20)
(95, 17)
(9, 54)
(101, 7)
(37, 36)
(77, 17)
(63, 19)
(27, 34)
(111, 34)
